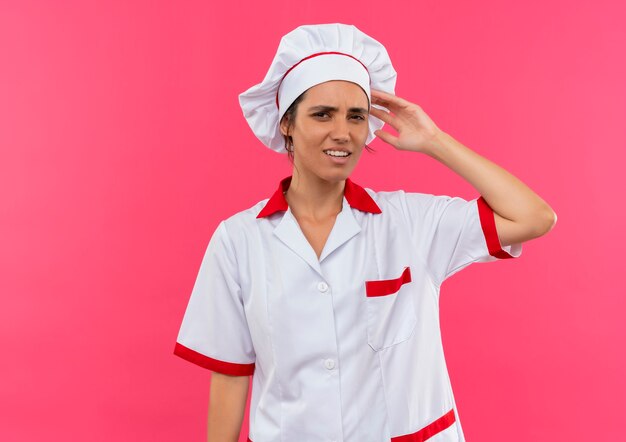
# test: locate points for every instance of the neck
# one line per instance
(310, 196)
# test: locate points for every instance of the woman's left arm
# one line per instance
(520, 214)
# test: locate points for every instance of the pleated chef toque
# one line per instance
(310, 55)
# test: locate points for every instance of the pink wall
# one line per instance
(122, 145)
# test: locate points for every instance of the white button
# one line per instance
(322, 286)
(329, 363)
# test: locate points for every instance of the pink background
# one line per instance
(123, 145)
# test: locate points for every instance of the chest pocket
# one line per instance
(391, 317)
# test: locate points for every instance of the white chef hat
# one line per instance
(310, 55)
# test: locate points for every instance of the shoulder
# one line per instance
(243, 220)
(400, 199)
(418, 205)
(233, 232)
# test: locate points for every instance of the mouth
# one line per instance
(337, 153)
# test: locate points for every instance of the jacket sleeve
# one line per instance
(214, 333)
(451, 232)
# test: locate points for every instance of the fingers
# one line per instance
(389, 101)
(386, 137)
(383, 115)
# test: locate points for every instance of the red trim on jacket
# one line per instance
(356, 196)
(230, 368)
(425, 433)
(488, 224)
(428, 431)
(387, 286)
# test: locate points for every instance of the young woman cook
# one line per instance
(327, 292)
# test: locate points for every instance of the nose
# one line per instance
(340, 131)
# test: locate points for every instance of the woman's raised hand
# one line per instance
(416, 131)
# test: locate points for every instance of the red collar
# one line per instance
(356, 196)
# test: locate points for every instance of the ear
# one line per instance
(284, 125)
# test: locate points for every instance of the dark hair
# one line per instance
(290, 113)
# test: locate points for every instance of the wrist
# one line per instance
(437, 144)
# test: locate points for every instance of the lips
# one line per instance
(340, 149)
(337, 152)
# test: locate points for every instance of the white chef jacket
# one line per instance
(346, 347)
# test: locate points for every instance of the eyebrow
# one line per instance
(359, 110)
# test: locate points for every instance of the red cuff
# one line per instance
(230, 368)
(488, 224)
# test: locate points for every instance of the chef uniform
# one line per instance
(346, 347)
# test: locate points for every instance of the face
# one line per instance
(330, 130)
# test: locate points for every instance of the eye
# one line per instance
(320, 114)
(359, 117)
